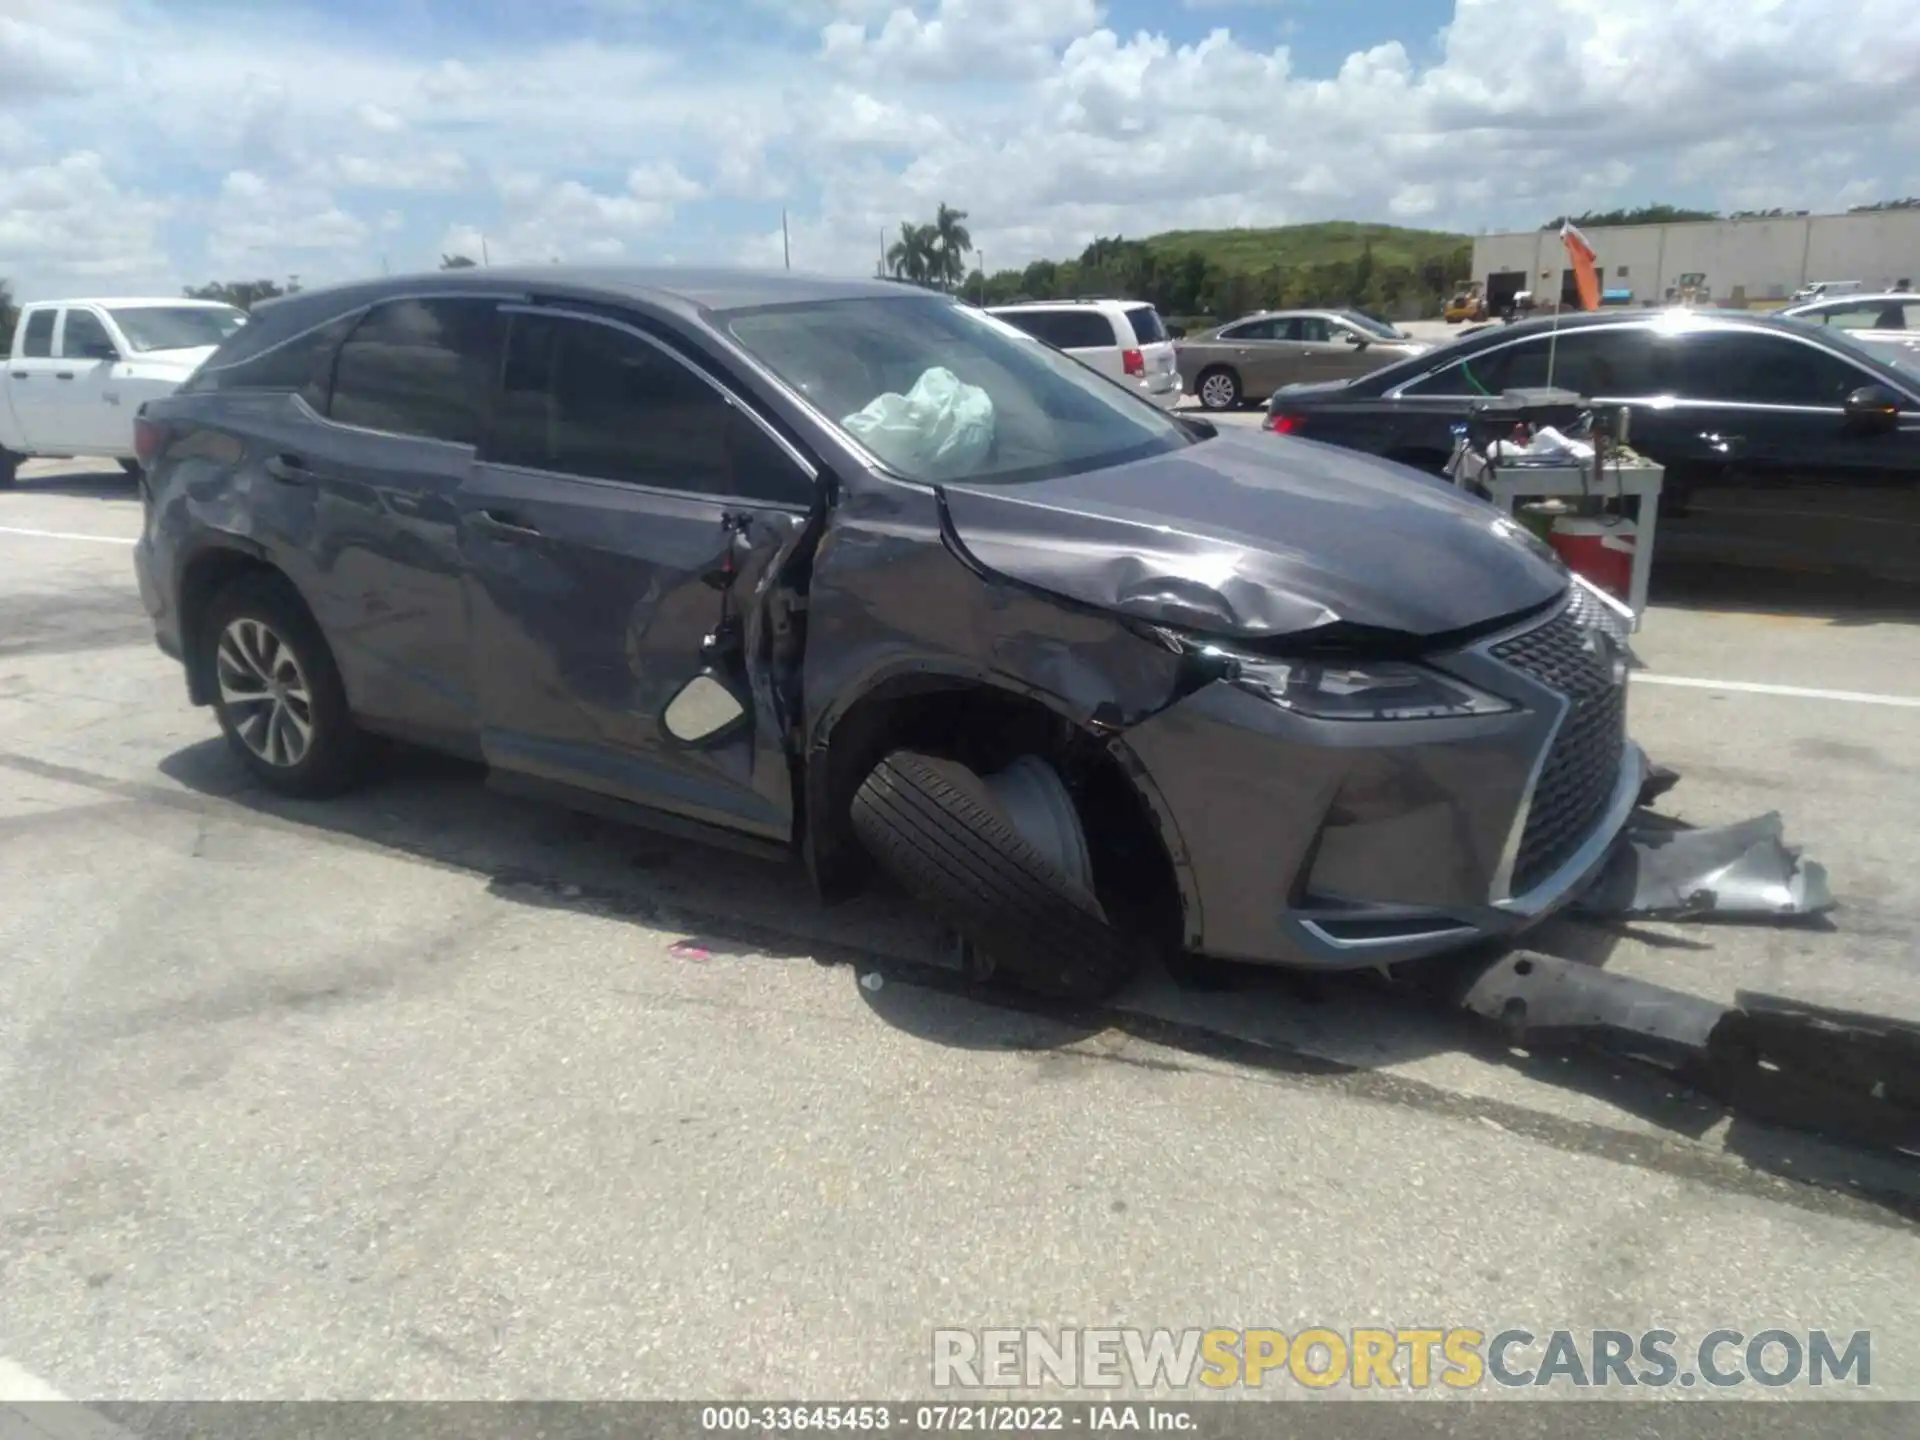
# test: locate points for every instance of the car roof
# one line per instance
(1862, 297)
(668, 287)
(1091, 300)
(137, 302)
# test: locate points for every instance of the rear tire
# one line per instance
(1218, 388)
(276, 690)
(132, 467)
(930, 823)
(9, 464)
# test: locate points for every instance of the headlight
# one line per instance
(1376, 690)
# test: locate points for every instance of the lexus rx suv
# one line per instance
(860, 576)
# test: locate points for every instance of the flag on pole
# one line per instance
(1586, 277)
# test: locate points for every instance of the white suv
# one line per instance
(1122, 339)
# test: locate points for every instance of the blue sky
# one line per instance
(268, 137)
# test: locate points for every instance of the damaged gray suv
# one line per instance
(858, 574)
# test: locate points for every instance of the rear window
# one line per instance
(1064, 329)
(301, 363)
(1147, 329)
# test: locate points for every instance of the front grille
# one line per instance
(1581, 768)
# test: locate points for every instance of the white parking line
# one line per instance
(66, 535)
(1749, 687)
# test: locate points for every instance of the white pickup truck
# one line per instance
(81, 369)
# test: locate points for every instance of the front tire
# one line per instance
(932, 825)
(1218, 388)
(132, 467)
(277, 692)
(9, 465)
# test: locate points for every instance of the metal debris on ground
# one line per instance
(1743, 871)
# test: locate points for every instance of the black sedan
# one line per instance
(1786, 445)
(856, 574)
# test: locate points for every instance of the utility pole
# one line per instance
(483, 251)
(786, 247)
(880, 270)
(983, 276)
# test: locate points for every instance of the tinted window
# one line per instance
(1255, 330)
(418, 367)
(586, 399)
(1311, 328)
(1371, 325)
(303, 363)
(1759, 369)
(37, 344)
(1037, 323)
(86, 337)
(1065, 329)
(1147, 326)
(1614, 364)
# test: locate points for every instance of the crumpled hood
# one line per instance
(1252, 536)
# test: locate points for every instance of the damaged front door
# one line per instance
(624, 510)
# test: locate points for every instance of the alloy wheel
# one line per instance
(264, 692)
(1216, 392)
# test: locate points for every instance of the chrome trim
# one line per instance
(1412, 937)
(1626, 794)
(807, 467)
(300, 403)
(1500, 892)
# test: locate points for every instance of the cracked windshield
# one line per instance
(914, 716)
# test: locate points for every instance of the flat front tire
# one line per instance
(277, 691)
(931, 823)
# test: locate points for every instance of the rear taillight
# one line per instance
(1284, 424)
(1134, 361)
(149, 439)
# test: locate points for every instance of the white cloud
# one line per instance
(263, 227)
(1049, 123)
(73, 222)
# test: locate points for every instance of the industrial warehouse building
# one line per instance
(1724, 262)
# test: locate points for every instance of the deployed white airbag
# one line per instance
(939, 430)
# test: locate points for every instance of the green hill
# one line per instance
(1248, 252)
(1192, 275)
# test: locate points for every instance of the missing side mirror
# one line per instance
(704, 711)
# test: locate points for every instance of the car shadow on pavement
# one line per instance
(108, 482)
(1356, 1034)
(1841, 600)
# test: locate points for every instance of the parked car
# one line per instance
(1254, 356)
(80, 369)
(856, 573)
(1828, 290)
(1891, 319)
(1125, 340)
(1785, 444)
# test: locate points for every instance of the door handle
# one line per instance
(508, 521)
(289, 470)
(23, 374)
(64, 375)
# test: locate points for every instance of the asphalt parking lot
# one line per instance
(429, 1093)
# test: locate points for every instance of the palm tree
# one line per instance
(951, 244)
(913, 257)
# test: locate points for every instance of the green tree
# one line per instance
(456, 262)
(9, 313)
(912, 257)
(243, 294)
(1644, 215)
(1912, 202)
(951, 243)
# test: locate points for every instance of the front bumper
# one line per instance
(1164, 390)
(1342, 844)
